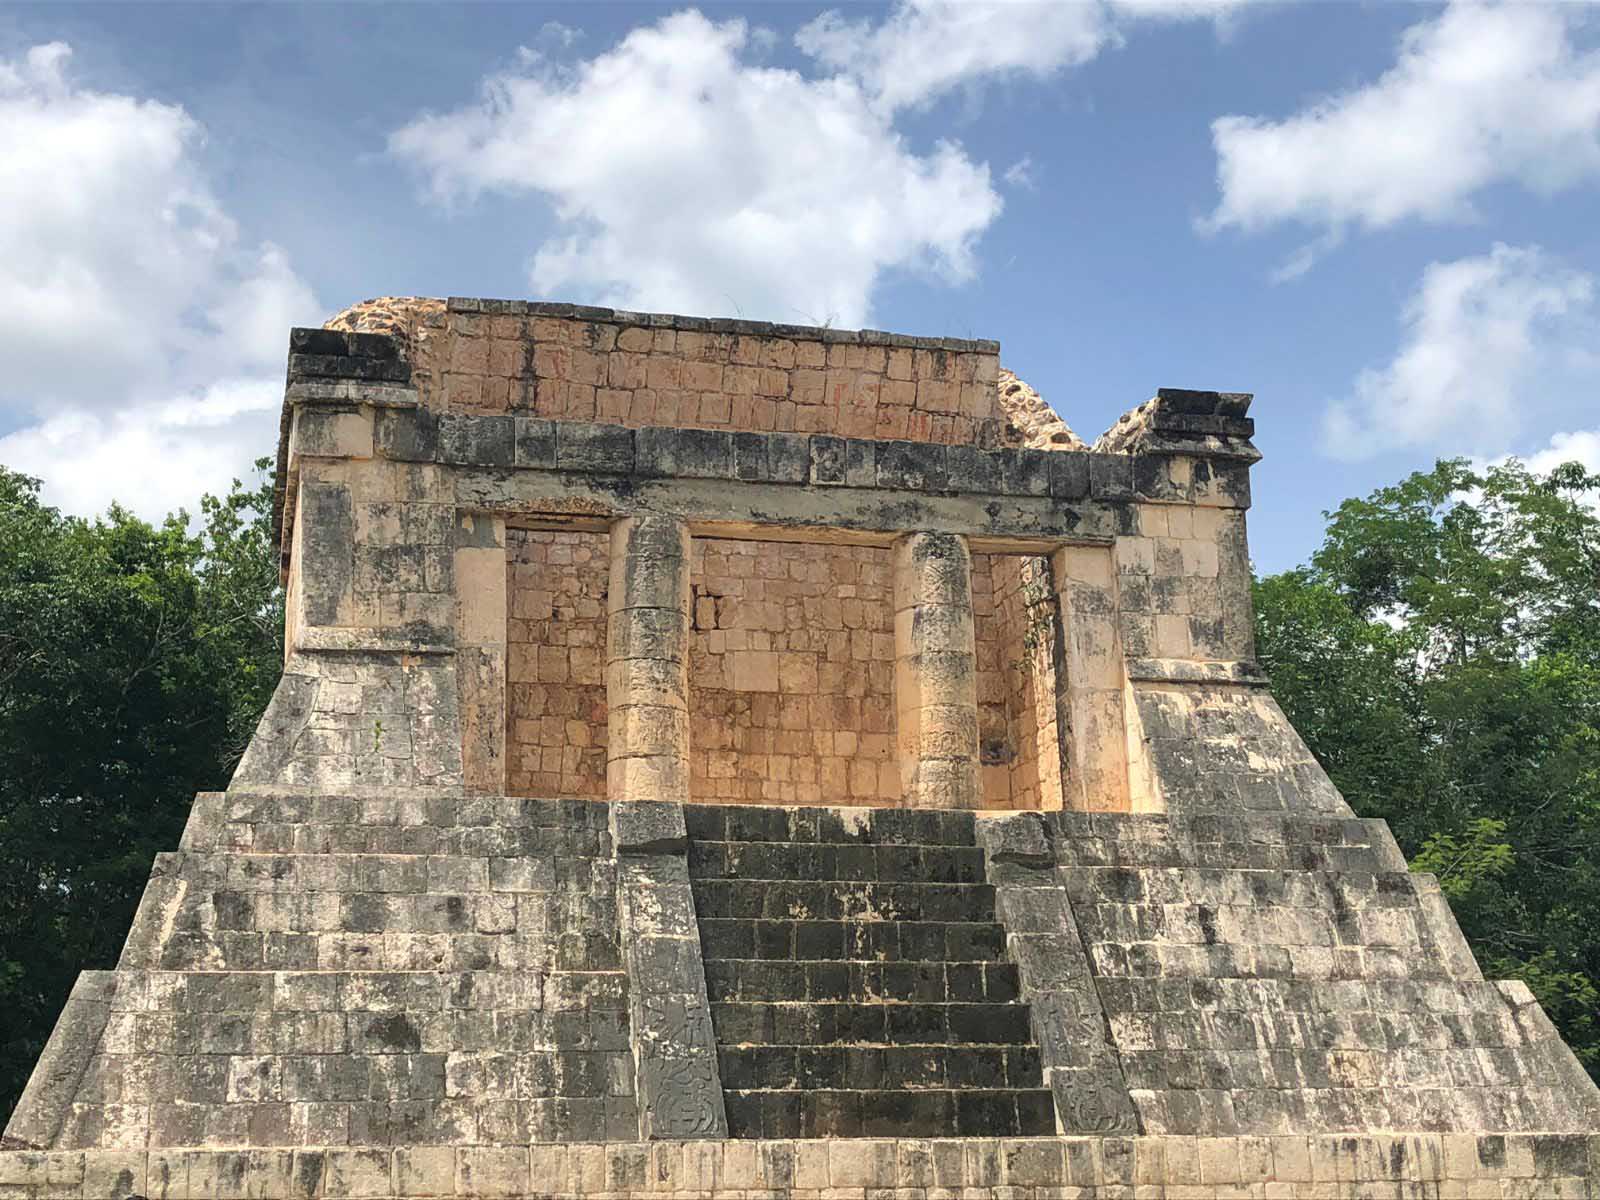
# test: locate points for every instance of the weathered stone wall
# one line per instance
(556, 651)
(632, 369)
(791, 674)
(1285, 1167)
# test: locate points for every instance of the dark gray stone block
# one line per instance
(589, 447)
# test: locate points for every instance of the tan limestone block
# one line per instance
(556, 330)
(480, 576)
(1200, 559)
(1172, 636)
(1134, 556)
(491, 1171)
(933, 628)
(932, 568)
(626, 371)
(469, 355)
(506, 358)
(648, 681)
(664, 374)
(645, 581)
(424, 1171)
(1090, 565)
(938, 395)
(1094, 659)
(700, 376)
(660, 777)
(635, 339)
(940, 783)
(647, 730)
(807, 386)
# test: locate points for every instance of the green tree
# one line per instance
(134, 662)
(1441, 656)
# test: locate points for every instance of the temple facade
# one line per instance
(737, 760)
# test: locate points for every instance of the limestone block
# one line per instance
(331, 433)
(658, 633)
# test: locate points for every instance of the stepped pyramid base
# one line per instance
(394, 996)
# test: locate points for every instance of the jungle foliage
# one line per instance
(1440, 653)
(135, 660)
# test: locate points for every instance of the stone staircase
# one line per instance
(858, 977)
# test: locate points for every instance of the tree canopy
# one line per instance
(135, 660)
(1441, 655)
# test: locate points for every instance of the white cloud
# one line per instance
(925, 48)
(1479, 95)
(155, 458)
(686, 175)
(687, 178)
(1483, 335)
(1580, 446)
(129, 294)
(1020, 173)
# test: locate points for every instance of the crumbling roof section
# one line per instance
(1040, 427)
(398, 316)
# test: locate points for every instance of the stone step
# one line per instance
(355, 990)
(833, 900)
(472, 841)
(247, 871)
(1265, 998)
(1265, 961)
(836, 826)
(839, 980)
(1322, 891)
(878, 1068)
(865, 941)
(873, 1022)
(823, 861)
(1241, 841)
(280, 950)
(921, 1114)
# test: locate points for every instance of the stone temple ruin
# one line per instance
(736, 760)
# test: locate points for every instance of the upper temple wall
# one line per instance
(429, 446)
(563, 362)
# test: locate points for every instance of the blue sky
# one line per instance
(1380, 218)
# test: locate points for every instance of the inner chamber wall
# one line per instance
(791, 672)
(556, 663)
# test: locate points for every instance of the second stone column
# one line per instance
(647, 631)
(936, 691)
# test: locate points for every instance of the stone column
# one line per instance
(647, 634)
(935, 676)
(1095, 732)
